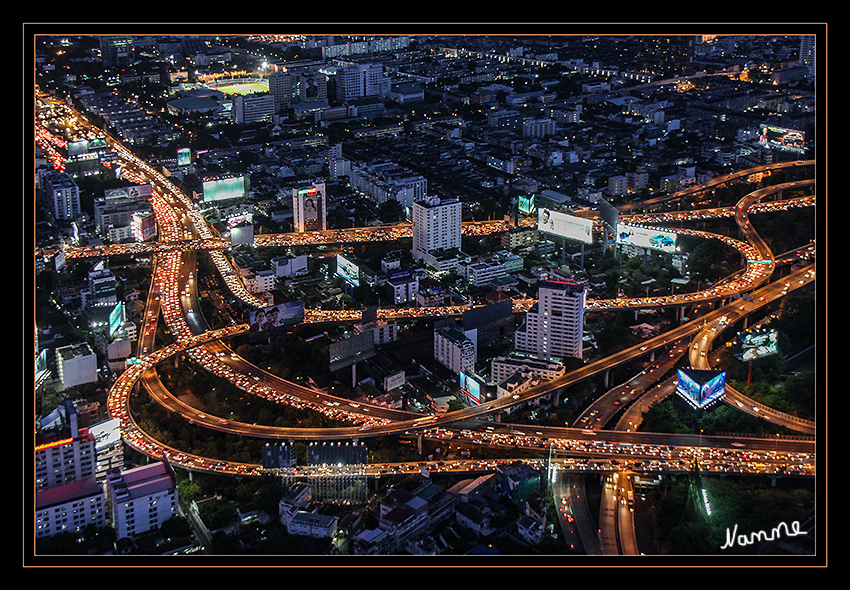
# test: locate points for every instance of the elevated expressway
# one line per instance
(211, 355)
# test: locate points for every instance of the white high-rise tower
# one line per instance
(554, 326)
(436, 226)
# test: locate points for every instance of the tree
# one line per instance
(390, 211)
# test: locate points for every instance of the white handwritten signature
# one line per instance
(732, 536)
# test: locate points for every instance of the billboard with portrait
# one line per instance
(564, 225)
(275, 316)
(783, 139)
(756, 345)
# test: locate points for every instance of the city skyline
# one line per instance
(676, 157)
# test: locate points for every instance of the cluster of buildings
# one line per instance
(80, 480)
(412, 514)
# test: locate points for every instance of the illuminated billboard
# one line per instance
(184, 156)
(646, 237)
(756, 345)
(348, 270)
(222, 189)
(470, 387)
(701, 388)
(783, 139)
(137, 191)
(116, 317)
(276, 316)
(565, 226)
(527, 206)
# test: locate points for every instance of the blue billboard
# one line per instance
(646, 237)
(470, 387)
(348, 270)
(701, 388)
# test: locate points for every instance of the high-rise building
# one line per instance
(456, 349)
(141, 499)
(102, 286)
(64, 452)
(554, 326)
(62, 194)
(362, 80)
(309, 207)
(251, 108)
(116, 51)
(303, 82)
(436, 226)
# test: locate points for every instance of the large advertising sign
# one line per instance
(348, 351)
(566, 226)
(348, 270)
(526, 205)
(701, 388)
(784, 139)
(106, 434)
(646, 237)
(184, 156)
(137, 191)
(116, 316)
(470, 387)
(275, 316)
(756, 345)
(220, 189)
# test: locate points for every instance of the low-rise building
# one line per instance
(69, 508)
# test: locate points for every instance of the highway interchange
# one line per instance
(184, 235)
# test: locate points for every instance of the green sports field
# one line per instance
(242, 87)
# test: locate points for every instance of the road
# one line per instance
(178, 219)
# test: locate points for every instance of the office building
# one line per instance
(142, 498)
(102, 286)
(402, 285)
(387, 181)
(362, 80)
(554, 326)
(290, 265)
(116, 51)
(309, 207)
(436, 227)
(62, 194)
(64, 452)
(252, 108)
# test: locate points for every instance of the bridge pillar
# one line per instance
(605, 378)
(419, 443)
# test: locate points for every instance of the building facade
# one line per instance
(436, 226)
(456, 349)
(554, 326)
(309, 207)
(141, 499)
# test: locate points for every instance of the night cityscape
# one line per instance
(426, 296)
